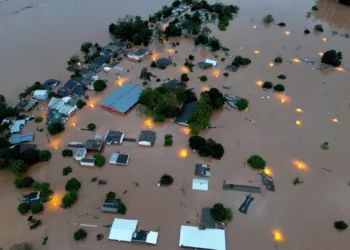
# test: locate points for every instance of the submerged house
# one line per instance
(31, 198)
(97, 64)
(136, 55)
(50, 84)
(202, 170)
(80, 154)
(204, 65)
(93, 145)
(119, 159)
(163, 62)
(112, 136)
(232, 100)
(60, 110)
(26, 105)
(88, 162)
(110, 205)
(19, 138)
(171, 84)
(147, 138)
(41, 94)
(123, 98)
(186, 112)
(69, 87)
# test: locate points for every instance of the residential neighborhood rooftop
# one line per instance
(27, 137)
(113, 136)
(122, 159)
(186, 112)
(94, 145)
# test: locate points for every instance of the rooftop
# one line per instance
(50, 84)
(88, 160)
(15, 139)
(147, 136)
(202, 170)
(200, 184)
(24, 146)
(113, 136)
(122, 229)
(163, 62)
(207, 218)
(171, 84)
(93, 145)
(117, 158)
(110, 205)
(186, 112)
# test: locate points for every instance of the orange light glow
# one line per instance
(55, 201)
(183, 153)
(149, 123)
(171, 51)
(268, 171)
(186, 130)
(324, 39)
(254, 27)
(296, 60)
(320, 53)
(271, 64)
(56, 147)
(283, 98)
(335, 120)
(282, 101)
(120, 81)
(300, 164)
(73, 124)
(204, 88)
(184, 69)
(259, 83)
(339, 69)
(79, 64)
(299, 110)
(298, 122)
(277, 236)
(287, 32)
(257, 51)
(92, 106)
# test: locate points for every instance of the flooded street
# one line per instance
(35, 45)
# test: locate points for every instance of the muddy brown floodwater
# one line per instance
(35, 45)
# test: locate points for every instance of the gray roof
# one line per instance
(119, 158)
(93, 145)
(21, 138)
(232, 99)
(24, 147)
(147, 135)
(50, 84)
(207, 219)
(110, 205)
(123, 98)
(90, 160)
(171, 84)
(163, 62)
(113, 136)
(232, 68)
(202, 170)
(186, 112)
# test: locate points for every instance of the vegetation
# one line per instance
(226, 74)
(37, 208)
(238, 61)
(207, 147)
(203, 78)
(229, 214)
(99, 85)
(77, 73)
(145, 75)
(45, 191)
(220, 213)
(45, 155)
(184, 77)
(189, 65)
(99, 237)
(191, 57)
(110, 195)
(166, 180)
(23, 208)
(267, 85)
(332, 57)
(67, 152)
(340, 225)
(94, 179)
(325, 145)
(257, 162)
(196, 142)
(319, 27)
(69, 198)
(80, 234)
(345, 2)
(282, 24)
(315, 8)
(80, 104)
(297, 181)
(85, 47)
(306, 31)
(72, 185)
(121, 208)
(268, 19)
(45, 240)
(91, 126)
(55, 128)
(153, 64)
(5, 111)
(22, 246)
(38, 119)
(21, 182)
(282, 77)
(73, 59)
(279, 59)
(223, 59)
(168, 140)
(172, 30)
(100, 160)
(33, 223)
(242, 104)
(278, 88)
(18, 166)
(29, 89)
(67, 170)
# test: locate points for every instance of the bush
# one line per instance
(242, 104)
(23, 208)
(55, 128)
(67, 170)
(99, 85)
(226, 74)
(282, 24)
(332, 57)
(100, 160)
(23, 182)
(268, 19)
(80, 104)
(22, 246)
(184, 77)
(122, 208)
(267, 85)
(80, 234)
(18, 166)
(278, 88)
(203, 78)
(67, 152)
(218, 212)
(69, 198)
(91, 126)
(238, 61)
(340, 225)
(166, 180)
(110, 195)
(197, 142)
(73, 185)
(318, 27)
(216, 98)
(257, 162)
(229, 214)
(45, 155)
(306, 31)
(191, 57)
(37, 208)
(324, 146)
(38, 119)
(315, 8)
(153, 64)
(279, 59)
(168, 140)
(282, 77)
(217, 151)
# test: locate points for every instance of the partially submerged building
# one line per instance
(163, 62)
(88, 162)
(16, 139)
(123, 98)
(31, 198)
(212, 62)
(202, 170)
(136, 55)
(80, 154)
(97, 64)
(186, 112)
(26, 105)
(125, 230)
(200, 184)
(193, 237)
(208, 220)
(232, 100)
(119, 159)
(68, 88)
(17, 125)
(24, 146)
(60, 110)
(113, 136)
(147, 138)
(110, 205)
(204, 65)
(41, 94)
(94, 145)
(50, 84)
(171, 84)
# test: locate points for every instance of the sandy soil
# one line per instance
(302, 214)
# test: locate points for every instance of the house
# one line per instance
(50, 84)
(202, 170)
(26, 105)
(163, 62)
(125, 230)
(88, 162)
(93, 145)
(199, 184)
(97, 64)
(114, 137)
(232, 100)
(41, 94)
(62, 106)
(73, 67)
(15, 139)
(112, 48)
(80, 154)
(171, 84)
(31, 198)
(194, 237)
(17, 126)
(232, 68)
(137, 55)
(204, 65)
(123, 98)
(186, 112)
(55, 117)
(110, 205)
(78, 91)
(212, 62)
(24, 146)
(147, 138)
(119, 159)
(208, 220)
(69, 86)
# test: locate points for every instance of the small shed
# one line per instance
(212, 62)
(93, 145)
(110, 205)
(41, 94)
(202, 170)
(88, 162)
(31, 198)
(163, 62)
(147, 138)
(113, 136)
(199, 184)
(119, 159)
(80, 154)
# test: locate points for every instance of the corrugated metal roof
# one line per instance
(21, 138)
(123, 98)
(199, 184)
(122, 229)
(186, 112)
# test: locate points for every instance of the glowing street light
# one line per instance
(268, 171)
(335, 120)
(296, 60)
(298, 122)
(324, 39)
(259, 83)
(254, 27)
(183, 153)
(287, 33)
(256, 51)
(271, 64)
(277, 236)
(300, 164)
(299, 110)
(339, 69)
(320, 53)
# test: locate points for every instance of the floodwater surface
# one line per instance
(288, 131)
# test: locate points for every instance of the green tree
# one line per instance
(91, 126)
(80, 104)
(203, 78)
(110, 195)
(319, 27)
(267, 85)
(153, 64)
(38, 119)
(145, 75)
(239, 60)
(176, 3)
(22, 246)
(4, 143)
(166, 180)
(67, 153)
(218, 212)
(67, 170)
(30, 156)
(23, 208)
(45, 155)
(282, 77)
(168, 140)
(173, 30)
(217, 99)
(21, 182)
(279, 88)
(279, 59)
(197, 142)
(80, 234)
(36, 207)
(217, 151)
(85, 47)
(55, 128)
(214, 43)
(73, 185)
(268, 19)
(257, 162)
(122, 208)
(18, 166)
(69, 198)
(99, 85)
(100, 160)
(242, 104)
(332, 57)
(184, 77)
(340, 225)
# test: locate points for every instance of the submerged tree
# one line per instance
(332, 57)
(145, 75)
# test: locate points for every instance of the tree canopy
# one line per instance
(218, 212)
(257, 162)
(332, 57)
(207, 147)
(55, 128)
(72, 185)
(99, 85)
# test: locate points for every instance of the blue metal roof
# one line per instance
(123, 98)
(21, 138)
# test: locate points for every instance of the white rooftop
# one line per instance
(122, 229)
(213, 239)
(199, 184)
(211, 62)
(152, 237)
